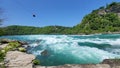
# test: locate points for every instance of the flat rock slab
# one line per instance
(78, 66)
(3, 46)
(16, 59)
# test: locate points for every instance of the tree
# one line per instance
(1, 21)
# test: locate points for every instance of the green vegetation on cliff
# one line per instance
(103, 20)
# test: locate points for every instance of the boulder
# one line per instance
(16, 59)
(22, 42)
(3, 41)
(45, 53)
(112, 62)
(3, 46)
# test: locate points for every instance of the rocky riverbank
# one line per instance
(13, 54)
(18, 58)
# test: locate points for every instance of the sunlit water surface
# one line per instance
(72, 49)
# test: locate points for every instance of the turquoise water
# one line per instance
(72, 49)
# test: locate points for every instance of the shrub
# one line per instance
(2, 55)
(14, 44)
(2, 66)
(22, 49)
(11, 46)
(36, 62)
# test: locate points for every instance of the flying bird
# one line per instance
(34, 15)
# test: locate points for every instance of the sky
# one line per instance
(48, 12)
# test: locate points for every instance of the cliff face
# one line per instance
(113, 7)
(110, 8)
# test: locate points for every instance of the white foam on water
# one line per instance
(37, 52)
(63, 47)
(69, 49)
(34, 44)
(113, 42)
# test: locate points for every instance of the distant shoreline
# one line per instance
(68, 34)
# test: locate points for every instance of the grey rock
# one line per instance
(3, 41)
(44, 53)
(3, 46)
(18, 59)
(78, 66)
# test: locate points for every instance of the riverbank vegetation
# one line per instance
(24, 30)
(11, 46)
(8, 46)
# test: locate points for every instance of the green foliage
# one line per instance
(36, 62)
(117, 58)
(11, 46)
(24, 30)
(111, 5)
(1, 21)
(2, 66)
(2, 55)
(102, 7)
(22, 49)
(14, 44)
(1, 32)
(100, 23)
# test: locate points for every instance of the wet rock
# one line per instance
(77, 66)
(45, 53)
(16, 59)
(112, 62)
(40, 67)
(3, 41)
(23, 43)
(38, 41)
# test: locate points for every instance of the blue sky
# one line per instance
(48, 12)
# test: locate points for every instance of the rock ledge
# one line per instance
(16, 59)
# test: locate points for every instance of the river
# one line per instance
(71, 49)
